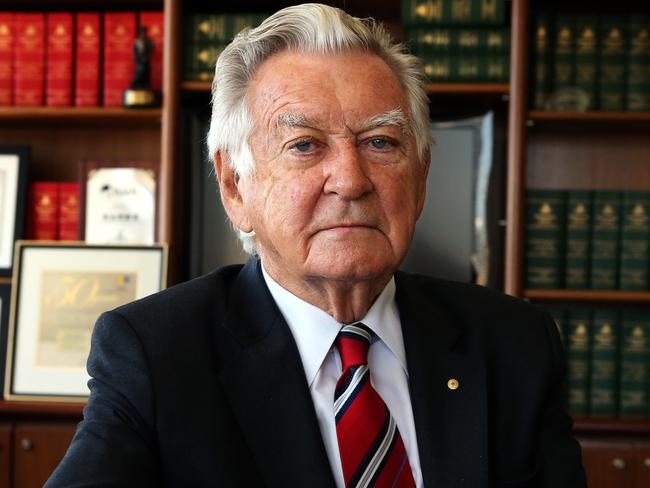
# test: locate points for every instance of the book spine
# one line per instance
(423, 11)
(43, 210)
(29, 59)
(119, 34)
(542, 61)
(603, 383)
(58, 87)
(490, 12)
(68, 211)
(6, 58)
(638, 63)
(611, 76)
(460, 11)
(605, 240)
(564, 65)
(87, 52)
(545, 212)
(635, 244)
(635, 364)
(578, 227)
(585, 57)
(154, 22)
(577, 352)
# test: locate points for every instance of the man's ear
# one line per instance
(231, 196)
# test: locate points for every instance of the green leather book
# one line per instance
(635, 364)
(541, 78)
(453, 12)
(490, 12)
(635, 241)
(564, 53)
(577, 353)
(603, 377)
(578, 229)
(423, 11)
(206, 28)
(585, 56)
(544, 257)
(200, 60)
(606, 213)
(638, 63)
(611, 62)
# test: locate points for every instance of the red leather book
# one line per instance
(43, 210)
(58, 71)
(6, 58)
(119, 34)
(29, 59)
(154, 22)
(68, 211)
(87, 52)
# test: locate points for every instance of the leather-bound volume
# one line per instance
(6, 58)
(153, 21)
(58, 85)
(43, 210)
(119, 34)
(68, 211)
(87, 52)
(29, 59)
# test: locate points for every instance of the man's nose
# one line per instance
(347, 173)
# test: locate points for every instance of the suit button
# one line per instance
(453, 384)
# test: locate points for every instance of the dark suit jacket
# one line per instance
(202, 385)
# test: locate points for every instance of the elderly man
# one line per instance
(318, 364)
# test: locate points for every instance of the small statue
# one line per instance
(140, 94)
(142, 51)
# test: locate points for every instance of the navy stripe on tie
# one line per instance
(353, 393)
(372, 451)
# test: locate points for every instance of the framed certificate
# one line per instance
(59, 292)
(13, 163)
(119, 201)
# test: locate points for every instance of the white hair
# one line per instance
(307, 28)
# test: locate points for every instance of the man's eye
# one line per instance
(380, 143)
(303, 146)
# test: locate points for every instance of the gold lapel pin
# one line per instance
(453, 384)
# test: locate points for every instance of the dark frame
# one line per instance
(5, 306)
(18, 206)
(28, 288)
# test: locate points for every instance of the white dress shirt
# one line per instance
(314, 331)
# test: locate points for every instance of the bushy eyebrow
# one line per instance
(394, 117)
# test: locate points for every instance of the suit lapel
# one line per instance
(451, 424)
(265, 383)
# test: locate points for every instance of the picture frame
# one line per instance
(119, 202)
(60, 289)
(13, 197)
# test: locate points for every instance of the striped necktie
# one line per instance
(372, 451)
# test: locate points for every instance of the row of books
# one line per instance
(453, 12)
(462, 54)
(73, 59)
(206, 36)
(587, 239)
(608, 361)
(591, 62)
(53, 211)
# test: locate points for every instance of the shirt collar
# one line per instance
(314, 330)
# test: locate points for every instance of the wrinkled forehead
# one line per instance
(293, 88)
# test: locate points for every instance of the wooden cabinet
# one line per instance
(5, 455)
(37, 450)
(614, 463)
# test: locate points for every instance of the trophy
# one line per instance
(140, 94)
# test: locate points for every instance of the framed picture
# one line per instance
(60, 289)
(119, 202)
(13, 179)
(5, 300)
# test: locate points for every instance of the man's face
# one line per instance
(338, 186)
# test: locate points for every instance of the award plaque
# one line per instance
(119, 202)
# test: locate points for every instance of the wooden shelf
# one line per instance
(589, 295)
(432, 88)
(41, 409)
(612, 426)
(5, 280)
(85, 115)
(562, 118)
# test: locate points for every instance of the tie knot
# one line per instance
(353, 342)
